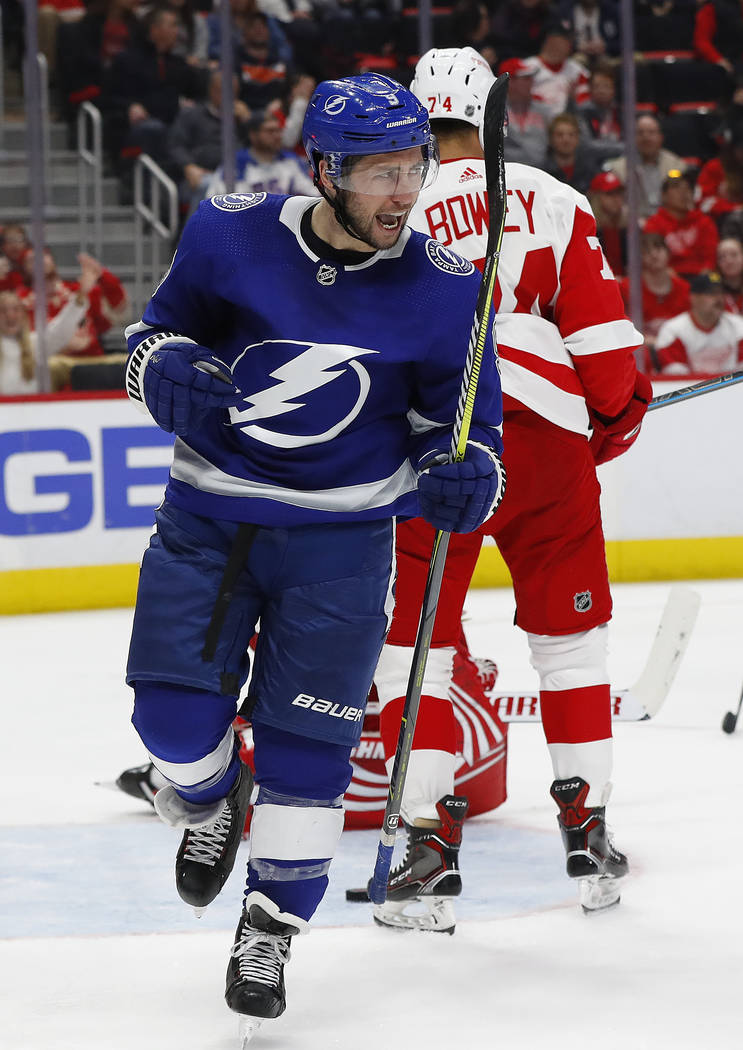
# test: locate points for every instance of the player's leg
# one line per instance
(553, 543)
(186, 695)
(432, 814)
(322, 628)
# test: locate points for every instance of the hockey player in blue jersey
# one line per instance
(308, 355)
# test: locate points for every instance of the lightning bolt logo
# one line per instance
(310, 370)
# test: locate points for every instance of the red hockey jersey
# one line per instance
(555, 290)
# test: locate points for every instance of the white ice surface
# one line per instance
(96, 950)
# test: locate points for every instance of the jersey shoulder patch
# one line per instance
(448, 261)
(237, 201)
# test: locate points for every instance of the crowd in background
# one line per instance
(153, 69)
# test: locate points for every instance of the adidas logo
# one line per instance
(468, 174)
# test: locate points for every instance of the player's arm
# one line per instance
(172, 371)
(589, 312)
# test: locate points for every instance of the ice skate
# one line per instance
(255, 973)
(142, 782)
(210, 840)
(591, 856)
(420, 888)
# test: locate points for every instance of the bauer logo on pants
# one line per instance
(583, 601)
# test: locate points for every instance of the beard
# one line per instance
(364, 225)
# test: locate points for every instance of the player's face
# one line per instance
(381, 192)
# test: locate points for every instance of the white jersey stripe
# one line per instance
(614, 335)
(539, 394)
(192, 469)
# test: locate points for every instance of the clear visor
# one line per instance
(386, 174)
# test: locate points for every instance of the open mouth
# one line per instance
(390, 222)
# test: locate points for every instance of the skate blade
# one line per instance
(599, 893)
(427, 914)
(247, 1029)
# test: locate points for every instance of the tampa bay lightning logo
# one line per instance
(314, 382)
(335, 105)
(448, 261)
(237, 201)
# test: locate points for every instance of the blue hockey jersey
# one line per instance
(350, 373)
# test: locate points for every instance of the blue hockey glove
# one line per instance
(459, 497)
(181, 382)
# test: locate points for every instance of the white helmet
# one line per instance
(453, 83)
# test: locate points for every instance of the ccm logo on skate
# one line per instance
(328, 707)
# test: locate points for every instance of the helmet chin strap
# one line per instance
(340, 212)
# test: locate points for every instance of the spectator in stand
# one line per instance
(517, 27)
(470, 27)
(720, 182)
(654, 164)
(242, 11)
(290, 110)
(664, 293)
(265, 166)
(606, 194)
(559, 79)
(596, 26)
(18, 344)
(601, 129)
(303, 31)
(706, 340)
(526, 141)
(567, 158)
(195, 140)
(690, 235)
(106, 302)
(718, 34)
(264, 67)
(663, 25)
(13, 247)
(730, 269)
(192, 43)
(144, 89)
(87, 48)
(52, 13)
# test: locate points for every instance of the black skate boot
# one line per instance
(420, 888)
(591, 856)
(255, 973)
(141, 782)
(209, 844)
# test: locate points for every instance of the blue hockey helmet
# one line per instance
(364, 115)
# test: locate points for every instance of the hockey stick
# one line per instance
(495, 178)
(645, 698)
(684, 393)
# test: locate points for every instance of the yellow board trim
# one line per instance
(637, 561)
(58, 590)
(630, 561)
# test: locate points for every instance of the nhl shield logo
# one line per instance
(326, 275)
(582, 601)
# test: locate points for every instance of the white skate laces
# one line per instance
(205, 844)
(261, 956)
